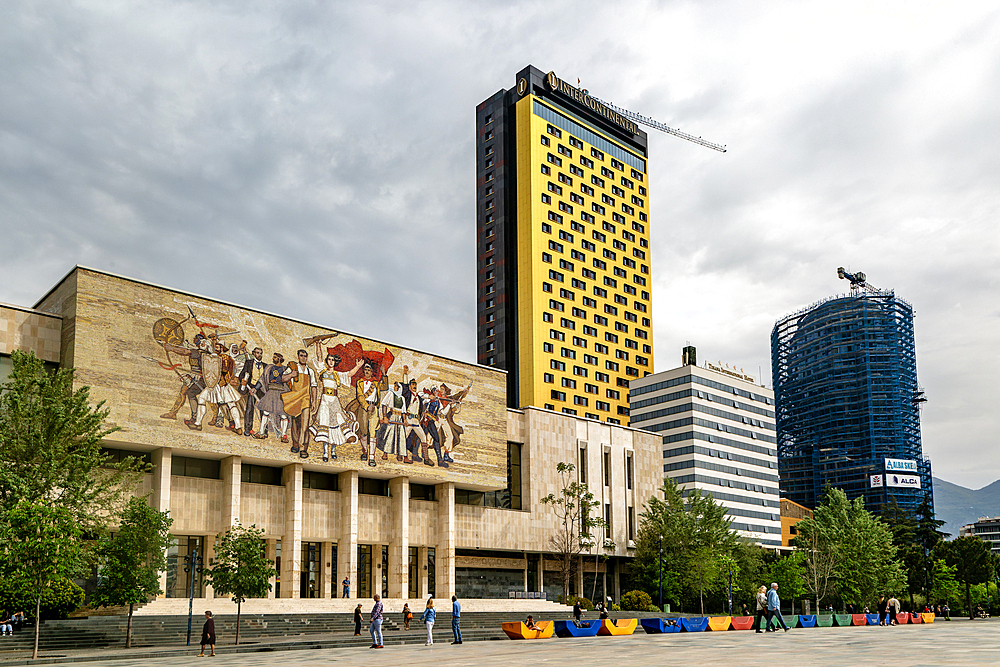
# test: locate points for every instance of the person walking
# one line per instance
(357, 620)
(774, 609)
(456, 619)
(376, 622)
(346, 583)
(761, 608)
(577, 612)
(893, 610)
(428, 618)
(883, 610)
(407, 615)
(208, 634)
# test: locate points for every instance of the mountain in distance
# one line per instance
(957, 505)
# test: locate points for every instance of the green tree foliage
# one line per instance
(751, 569)
(574, 509)
(693, 534)
(241, 570)
(848, 551)
(131, 560)
(636, 601)
(790, 575)
(970, 557)
(946, 587)
(60, 598)
(40, 544)
(50, 446)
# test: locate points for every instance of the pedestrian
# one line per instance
(207, 634)
(6, 624)
(428, 618)
(746, 611)
(603, 611)
(376, 622)
(774, 609)
(357, 620)
(346, 583)
(893, 609)
(577, 612)
(883, 610)
(456, 619)
(946, 611)
(761, 608)
(530, 623)
(407, 616)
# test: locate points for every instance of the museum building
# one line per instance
(401, 471)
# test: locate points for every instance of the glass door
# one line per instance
(364, 571)
(413, 569)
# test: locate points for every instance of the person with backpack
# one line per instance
(761, 608)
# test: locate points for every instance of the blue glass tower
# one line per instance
(846, 399)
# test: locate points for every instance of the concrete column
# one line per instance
(579, 577)
(160, 498)
(347, 546)
(525, 571)
(291, 540)
(445, 552)
(422, 591)
(207, 558)
(399, 492)
(272, 553)
(231, 470)
(326, 570)
(541, 572)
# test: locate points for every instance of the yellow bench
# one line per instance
(518, 630)
(623, 626)
(927, 618)
(717, 623)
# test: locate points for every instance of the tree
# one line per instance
(970, 557)
(131, 560)
(945, 587)
(819, 539)
(789, 574)
(50, 446)
(241, 568)
(40, 544)
(574, 510)
(750, 570)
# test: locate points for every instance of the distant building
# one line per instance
(847, 400)
(718, 435)
(563, 257)
(986, 529)
(791, 514)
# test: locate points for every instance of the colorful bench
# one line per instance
(719, 623)
(623, 626)
(695, 624)
(927, 617)
(873, 619)
(655, 626)
(824, 620)
(859, 619)
(518, 630)
(804, 621)
(570, 629)
(916, 617)
(741, 622)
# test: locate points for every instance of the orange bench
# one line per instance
(623, 626)
(927, 618)
(719, 623)
(518, 630)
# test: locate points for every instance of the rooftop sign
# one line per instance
(560, 86)
(900, 465)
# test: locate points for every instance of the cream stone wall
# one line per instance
(321, 515)
(375, 519)
(30, 331)
(195, 505)
(423, 523)
(263, 505)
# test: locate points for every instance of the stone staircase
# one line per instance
(271, 606)
(303, 629)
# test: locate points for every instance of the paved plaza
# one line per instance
(956, 643)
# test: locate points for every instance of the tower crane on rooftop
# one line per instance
(858, 280)
(656, 125)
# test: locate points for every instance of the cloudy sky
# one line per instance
(315, 159)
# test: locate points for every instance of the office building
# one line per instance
(717, 428)
(847, 400)
(443, 498)
(563, 275)
(987, 529)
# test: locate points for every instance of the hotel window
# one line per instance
(596, 153)
(489, 119)
(576, 254)
(634, 372)
(610, 310)
(587, 301)
(555, 246)
(545, 140)
(620, 299)
(631, 344)
(610, 201)
(590, 359)
(490, 331)
(645, 321)
(602, 377)
(548, 377)
(568, 353)
(601, 349)
(617, 165)
(598, 264)
(627, 183)
(589, 330)
(489, 361)
(573, 141)
(575, 170)
(647, 349)
(638, 253)
(622, 382)
(611, 365)
(579, 284)
(546, 317)
(576, 226)
(587, 190)
(555, 275)
(637, 175)
(628, 262)
(591, 388)
(555, 334)
(565, 151)
(569, 412)
(608, 227)
(602, 405)
(554, 188)
(619, 326)
(642, 361)
(563, 178)
(490, 289)
(546, 257)
(489, 162)
(546, 287)
(580, 370)
(587, 273)
(549, 406)
(571, 384)
(567, 324)
(618, 245)
(587, 245)
(557, 395)
(490, 303)
(546, 199)
(491, 317)
(489, 150)
(614, 421)
(607, 172)
(565, 236)
(629, 290)
(580, 400)
(557, 365)
(628, 236)
(546, 170)
(597, 208)
(610, 282)
(644, 243)
(566, 294)
(489, 177)
(489, 203)
(603, 321)
(615, 190)
(613, 393)
(554, 131)
(489, 246)
(555, 217)
(547, 228)
(645, 295)
(490, 346)
(638, 305)
(557, 161)
(637, 201)
(586, 162)
(599, 182)
(563, 264)
(582, 314)
(621, 354)
(547, 347)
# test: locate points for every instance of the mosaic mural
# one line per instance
(193, 373)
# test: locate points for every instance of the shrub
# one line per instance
(636, 601)
(58, 600)
(653, 608)
(615, 607)
(572, 599)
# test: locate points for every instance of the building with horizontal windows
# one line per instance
(402, 471)
(987, 529)
(563, 257)
(717, 429)
(845, 382)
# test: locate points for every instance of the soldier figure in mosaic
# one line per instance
(298, 400)
(192, 383)
(217, 371)
(365, 405)
(270, 406)
(391, 436)
(251, 381)
(429, 420)
(331, 424)
(413, 432)
(450, 432)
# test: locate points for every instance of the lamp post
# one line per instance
(659, 563)
(192, 568)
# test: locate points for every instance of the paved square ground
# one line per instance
(957, 643)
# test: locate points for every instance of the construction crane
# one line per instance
(656, 125)
(858, 280)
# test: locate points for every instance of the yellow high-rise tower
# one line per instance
(563, 267)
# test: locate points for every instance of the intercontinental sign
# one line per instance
(560, 86)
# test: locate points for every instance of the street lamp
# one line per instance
(193, 568)
(659, 562)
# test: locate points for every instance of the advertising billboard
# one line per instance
(904, 481)
(900, 465)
